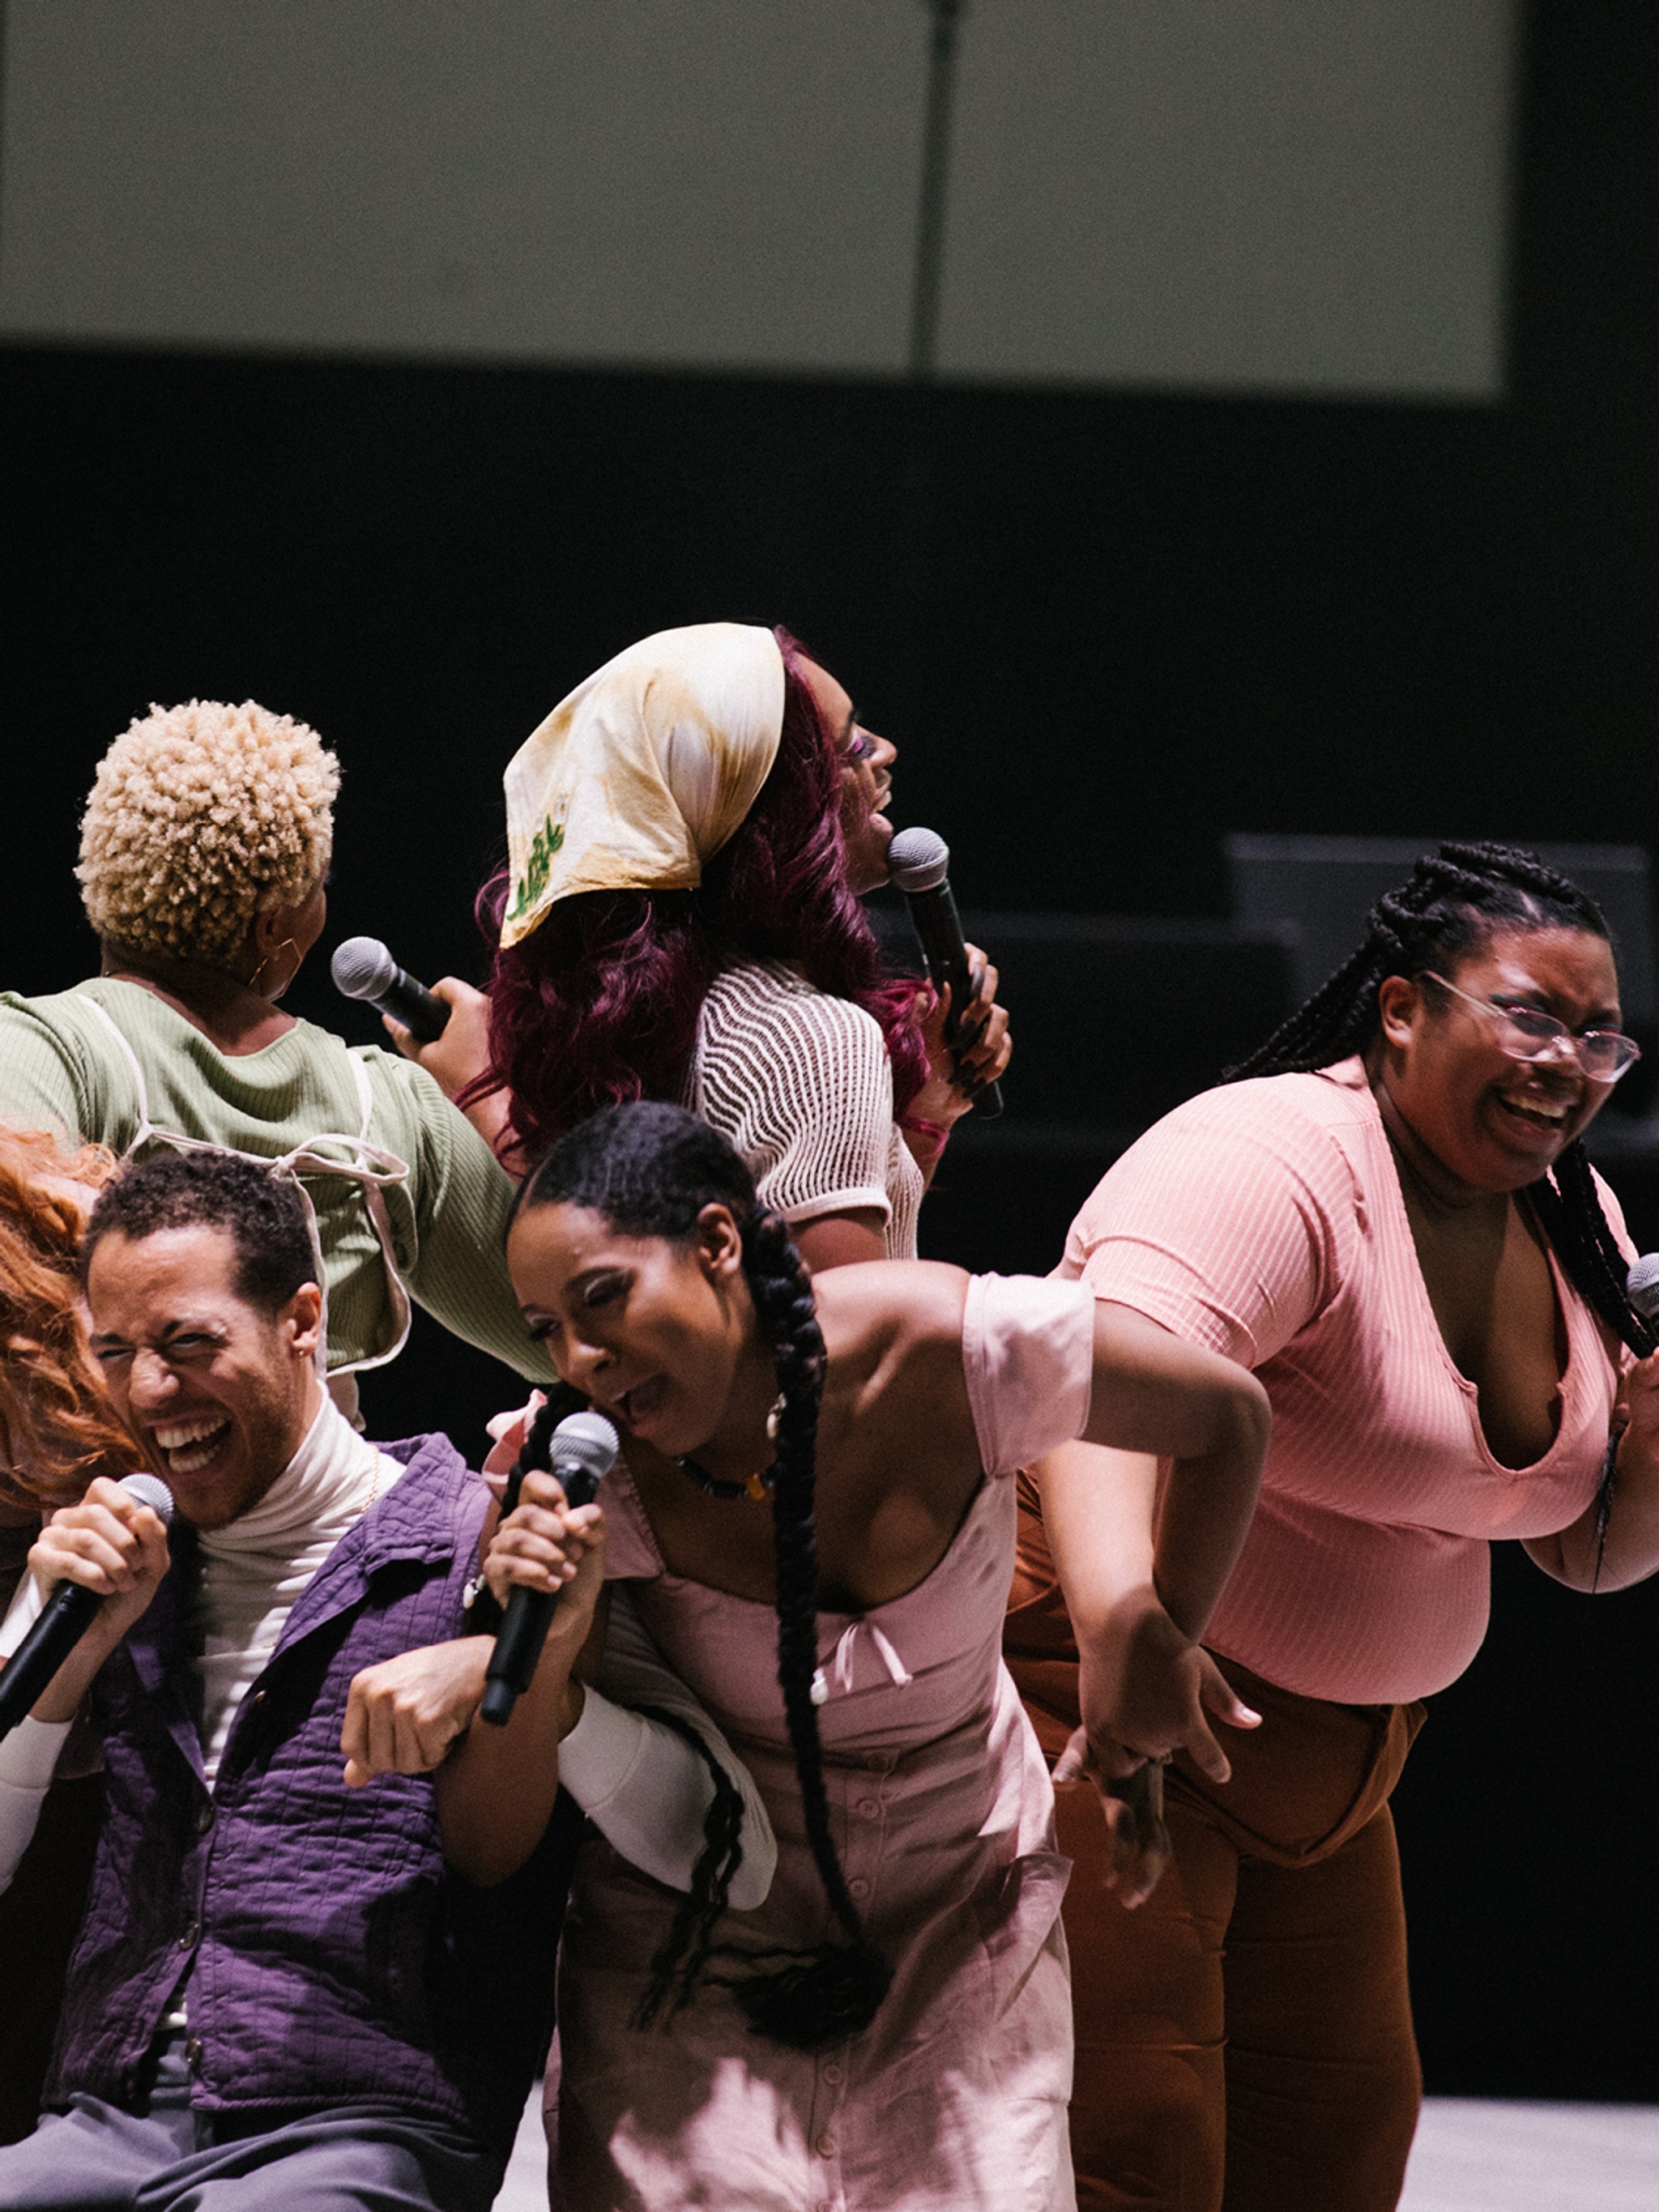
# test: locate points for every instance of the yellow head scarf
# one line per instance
(643, 773)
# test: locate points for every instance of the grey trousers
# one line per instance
(357, 2158)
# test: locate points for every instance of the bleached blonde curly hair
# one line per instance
(200, 816)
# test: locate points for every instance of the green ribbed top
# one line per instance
(60, 1069)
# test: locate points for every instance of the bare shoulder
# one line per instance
(887, 1309)
(896, 1394)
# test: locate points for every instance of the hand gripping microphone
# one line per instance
(363, 968)
(581, 1454)
(918, 864)
(64, 1620)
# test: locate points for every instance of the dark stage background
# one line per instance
(1105, 629)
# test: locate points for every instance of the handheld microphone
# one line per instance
(1641, 1286)
(64, 1620)
(363, 968)
(583, 1451)
(918, 864)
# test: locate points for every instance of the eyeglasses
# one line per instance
(1528, 1033)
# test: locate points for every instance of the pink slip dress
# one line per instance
(943, 1814)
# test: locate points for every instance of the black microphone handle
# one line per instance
(414, 1005)
(938, 926)
(64, 1620)
(529, 1616)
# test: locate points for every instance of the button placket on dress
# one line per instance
(864, 1824)
(864, 1832)
(828, 2138)
(829, 2090)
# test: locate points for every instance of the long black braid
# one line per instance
(1458, 896)
(650, 1169)
(833, 1991)
(686, 1951)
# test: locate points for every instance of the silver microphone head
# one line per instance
(149, 1490)
(918, 860)
(363, 968)
(1641, 1286)
(587, 1441)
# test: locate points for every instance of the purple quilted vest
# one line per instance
(333, 1959)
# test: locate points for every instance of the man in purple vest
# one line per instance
(280, 1995)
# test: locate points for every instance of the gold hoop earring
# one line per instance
(253, 980)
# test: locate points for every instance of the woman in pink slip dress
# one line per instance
(813, 1512)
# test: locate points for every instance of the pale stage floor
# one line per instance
(1471, 2155)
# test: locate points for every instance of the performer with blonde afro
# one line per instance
(204, 851)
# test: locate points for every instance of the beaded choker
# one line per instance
(758, 1485)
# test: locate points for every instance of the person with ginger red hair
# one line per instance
(689, 833)
(57, 1432)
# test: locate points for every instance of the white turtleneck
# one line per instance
(254, 1569)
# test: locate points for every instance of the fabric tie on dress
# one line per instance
(842, 1664)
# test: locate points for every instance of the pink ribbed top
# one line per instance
(1265, 1220)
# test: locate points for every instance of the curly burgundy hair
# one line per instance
(598, 1005)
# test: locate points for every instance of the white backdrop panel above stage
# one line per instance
(1267, 195)
(1263, 193)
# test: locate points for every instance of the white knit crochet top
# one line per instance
(800, 1085)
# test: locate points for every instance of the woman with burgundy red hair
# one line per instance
(689, 835)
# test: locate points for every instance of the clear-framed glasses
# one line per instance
(1527, 1032)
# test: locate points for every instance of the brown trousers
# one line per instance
(1244, 2038)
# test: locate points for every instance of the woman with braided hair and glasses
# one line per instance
(1386, 1214)
(814, 1515)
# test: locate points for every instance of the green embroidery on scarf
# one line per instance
(543, 845)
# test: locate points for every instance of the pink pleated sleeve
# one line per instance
(1028, 1355)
